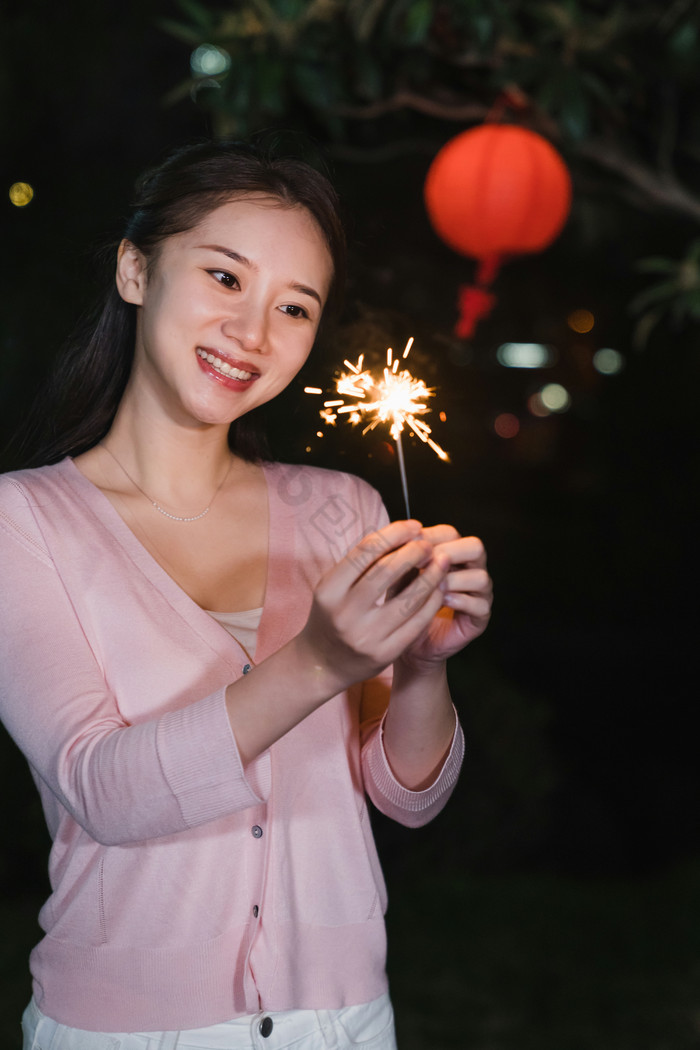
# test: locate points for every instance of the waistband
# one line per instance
(268, 1030)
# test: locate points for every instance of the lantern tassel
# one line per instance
(474, 301)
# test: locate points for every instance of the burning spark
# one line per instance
(394, 397)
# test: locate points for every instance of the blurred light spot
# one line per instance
(308, 448)
(319, 433)
(209, 61)
(536, 406)
(312, 390)
(525, 355)
(506, 425)
(21, 193)
(580, 320)
(443, 417)
(608, 362)
(555, 397)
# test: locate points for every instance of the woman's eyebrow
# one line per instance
(307, 291)
(238, 258)
(230, 254)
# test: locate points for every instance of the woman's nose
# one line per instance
(248, 327)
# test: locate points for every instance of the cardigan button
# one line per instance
(246, 668)
(266, 1026)
(256, 911)
(257, 831)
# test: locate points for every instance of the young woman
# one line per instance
(195, 643)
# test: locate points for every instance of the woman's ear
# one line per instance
(131, 273)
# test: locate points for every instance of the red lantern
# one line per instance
(492, 192)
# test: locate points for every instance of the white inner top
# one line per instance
(243, 626)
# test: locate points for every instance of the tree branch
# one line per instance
(661, 189)
(470, 111)
(658, 188)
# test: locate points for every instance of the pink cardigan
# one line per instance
(185, 890)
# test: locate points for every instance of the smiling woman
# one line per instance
(258, 318)
(196, 645)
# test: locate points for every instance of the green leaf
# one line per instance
(413, 23)
(563, 94)
(318, 85)
(684, 41)
(481, 28)
(365, 14)
(368, 77)
(656, 264)
(199, 14)
(270, 80)
(598, 88)
(691, 301)
(179, 93)
(186, 34)
(660, 292)
(644, 327)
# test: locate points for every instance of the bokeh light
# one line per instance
(608, 361)
(580, 321)
(207, 60)
(525, 355)
(555, 397)
(21, 194)
(506, 425)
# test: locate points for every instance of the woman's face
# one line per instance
(228, 311)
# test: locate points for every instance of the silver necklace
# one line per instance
(154, 503)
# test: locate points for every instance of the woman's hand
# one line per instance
(468, 596)
(377, 602)
(366, 611)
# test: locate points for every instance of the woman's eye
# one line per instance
(226, 279)
(294, 311)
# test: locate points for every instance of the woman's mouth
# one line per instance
(224, 367)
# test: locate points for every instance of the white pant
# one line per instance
(369, 1026)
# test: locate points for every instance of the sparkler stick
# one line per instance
(402, 472)
(395, 397)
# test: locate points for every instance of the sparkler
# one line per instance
(395, 397)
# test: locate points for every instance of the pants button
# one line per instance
(266, 1026)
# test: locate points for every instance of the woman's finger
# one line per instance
(371, 548)
(472, 581)
(409, 630)
(422, 587)
(391, 573)
(437, 534)
(467, 552)
(477, 606)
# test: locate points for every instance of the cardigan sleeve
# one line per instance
(121, 783)
(411, 808)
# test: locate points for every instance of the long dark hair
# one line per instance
(78, 403)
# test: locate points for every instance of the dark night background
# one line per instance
(559, 887)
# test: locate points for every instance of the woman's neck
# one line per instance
(181, 467)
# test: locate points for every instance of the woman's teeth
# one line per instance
(223, 366)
